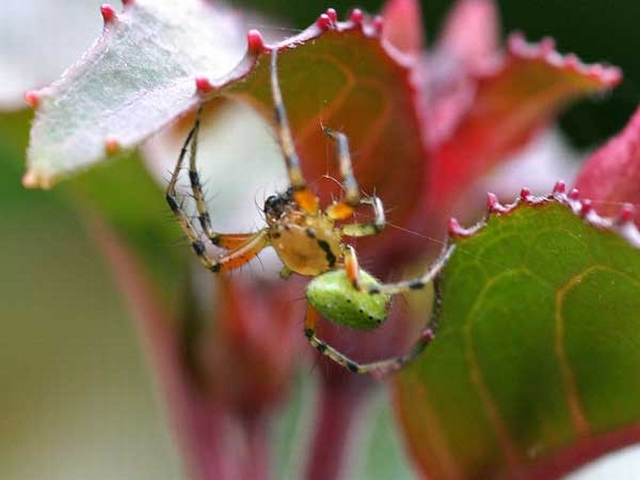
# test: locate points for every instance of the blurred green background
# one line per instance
(76, 399)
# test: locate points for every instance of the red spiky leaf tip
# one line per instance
(378, 24)
(203, 85)
(493, 205)
(559, 188)
(605, 75)
(111, 146)
(323, 22)
(586, 207)
(574, 194)
(356, 16)
(32, 98)
(621, 222)
(108, 13)
(611, 175)
(626, 214)
(458, 231)
(255, 42)
(333, 15)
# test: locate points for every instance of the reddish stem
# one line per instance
(341, 397)
(216, 442)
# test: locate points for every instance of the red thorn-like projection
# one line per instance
(608, 76)
(111, 146)
(626, 214)
(559, 188)
(457, 231)
(332, 14)
(255, 42)
(32, 98)
(203, 85)
(546, 46)
(623, 223)
(586, 207)
(356, 16)
(574, 194)
(108, 13)
(493, 205)
(428, 335)
(323, 22)
(378, 24)
(126, 3)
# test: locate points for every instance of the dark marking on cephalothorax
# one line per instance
(331, 258)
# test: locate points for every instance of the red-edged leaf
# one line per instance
(520, 94)
(534, 369)
(611, 175)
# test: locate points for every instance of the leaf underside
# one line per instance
(538, 350)
(137, 77)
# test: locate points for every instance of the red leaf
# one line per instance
(611, 175)
(403, 26)
(514, 98)
(471, 32)
(246, 358)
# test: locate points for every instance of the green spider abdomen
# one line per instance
(336, 299)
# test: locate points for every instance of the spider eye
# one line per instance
(273, 205)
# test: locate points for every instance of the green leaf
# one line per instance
(536, 363)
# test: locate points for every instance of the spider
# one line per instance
(309, 242)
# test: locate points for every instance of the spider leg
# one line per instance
(344, 209)
(243, 246)
(224, 240)
(380, 367)
(414, 283)
(352, 192)
(353, 270)
(366, 229)
(303, 196)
